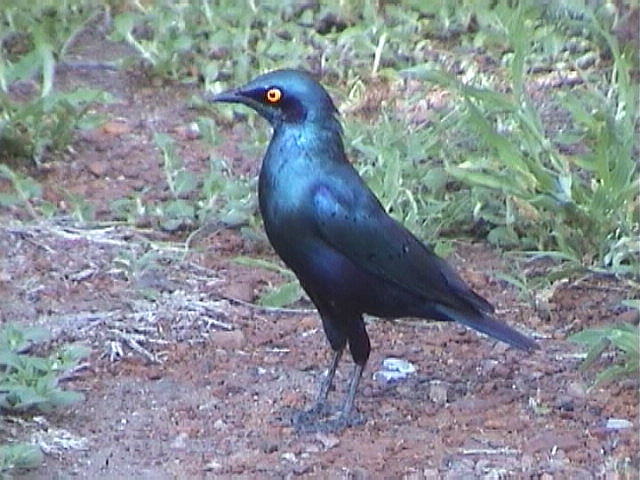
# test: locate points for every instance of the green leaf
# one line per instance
(163, 140)
(21, 455)
(124, 23)
(624, 337)
(48, 63)
(185, 182)
(179, 209)
(63, 398)
(16, 338)
(282, 295)
(615, 372)
(632, 303)
(260, 263)
(436, 180)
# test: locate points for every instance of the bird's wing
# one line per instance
(364, 233)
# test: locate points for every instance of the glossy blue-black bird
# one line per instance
(325, 223)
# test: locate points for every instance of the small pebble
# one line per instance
(438, 393)
(179, 443)
(328, 441)
(232, 340)
(269, 446)
(393, 370)
(618, 424)
(385, 376)
(192, 131)
(585, 61)
(288, 456)
(212, 466)
(398, 365)
(577, 390)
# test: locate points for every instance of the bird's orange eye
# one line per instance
(273, 95)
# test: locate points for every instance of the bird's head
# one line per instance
(284, 97)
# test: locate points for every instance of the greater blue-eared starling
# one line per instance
(349, 255)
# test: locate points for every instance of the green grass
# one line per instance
(281, 295)
(399, 163)
(30, 383)
(18, 456)
(553, 175)
(509, 173)
(488, 165)
(580, 208)
(40, 120)
(622, 340)
(215, 198)
(517, 183)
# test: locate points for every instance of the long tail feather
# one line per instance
(485, 323)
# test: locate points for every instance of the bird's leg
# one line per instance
(306, 417)
(346, 418)
(351, 394)
(305, 421)
(321, 399)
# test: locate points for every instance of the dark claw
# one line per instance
(303, 423)
(301, 417)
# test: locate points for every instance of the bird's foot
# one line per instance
(303, 422)
(301, 417)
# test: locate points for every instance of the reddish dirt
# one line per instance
(208, 393)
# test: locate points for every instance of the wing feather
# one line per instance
(361, 230)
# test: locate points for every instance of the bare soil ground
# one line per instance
(198, 383)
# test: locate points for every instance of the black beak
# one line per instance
(230, 96)
(243, 97)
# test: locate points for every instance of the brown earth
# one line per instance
(199, 383)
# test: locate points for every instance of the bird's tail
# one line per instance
(485, 323)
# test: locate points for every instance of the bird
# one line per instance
(349, 255)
